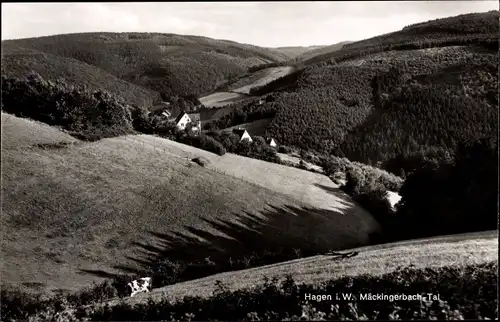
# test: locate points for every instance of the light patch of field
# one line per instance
(220, 99)
(260, 78)
(454, 250)
(257, 128)
(70, 215)
(296, 160)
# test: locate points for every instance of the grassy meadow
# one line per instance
(75, 214)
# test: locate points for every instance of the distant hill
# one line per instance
(166, 63)
(458, 30)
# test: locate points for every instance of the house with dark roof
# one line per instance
(243, 134)
(195, 121)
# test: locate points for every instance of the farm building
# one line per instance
(183, 119)
(243, 134)
(271, 142)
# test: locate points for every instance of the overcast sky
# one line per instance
(270, 24)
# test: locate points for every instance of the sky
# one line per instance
(268, 24)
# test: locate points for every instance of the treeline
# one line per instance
(463, 30)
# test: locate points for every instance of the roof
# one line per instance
(195, 117)
(269, 140)
(179, 117)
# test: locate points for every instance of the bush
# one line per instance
(257, 149)
(200, 161)
(284, 149)
(451, 198)
(204, 142)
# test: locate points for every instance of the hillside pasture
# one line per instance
(76, 215)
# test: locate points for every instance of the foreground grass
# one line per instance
(84, 213)
(467, 292)
(453, 250)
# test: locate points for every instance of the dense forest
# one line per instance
(420, 116)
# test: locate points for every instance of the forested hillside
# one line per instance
(468, 29)
(20, 62)
(167, 63)
(371, 107)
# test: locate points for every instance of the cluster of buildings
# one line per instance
(181, 119)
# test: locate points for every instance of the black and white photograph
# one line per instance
(249, 161)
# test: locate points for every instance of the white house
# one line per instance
(271, 142)
(243, 134)
(182, 120)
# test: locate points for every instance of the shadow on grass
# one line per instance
(278, 234)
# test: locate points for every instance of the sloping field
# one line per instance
(310, 188)
(260, 78)
(220, 99)
(254, 128)
(29, 133)
(453, 250)
(80, 213)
